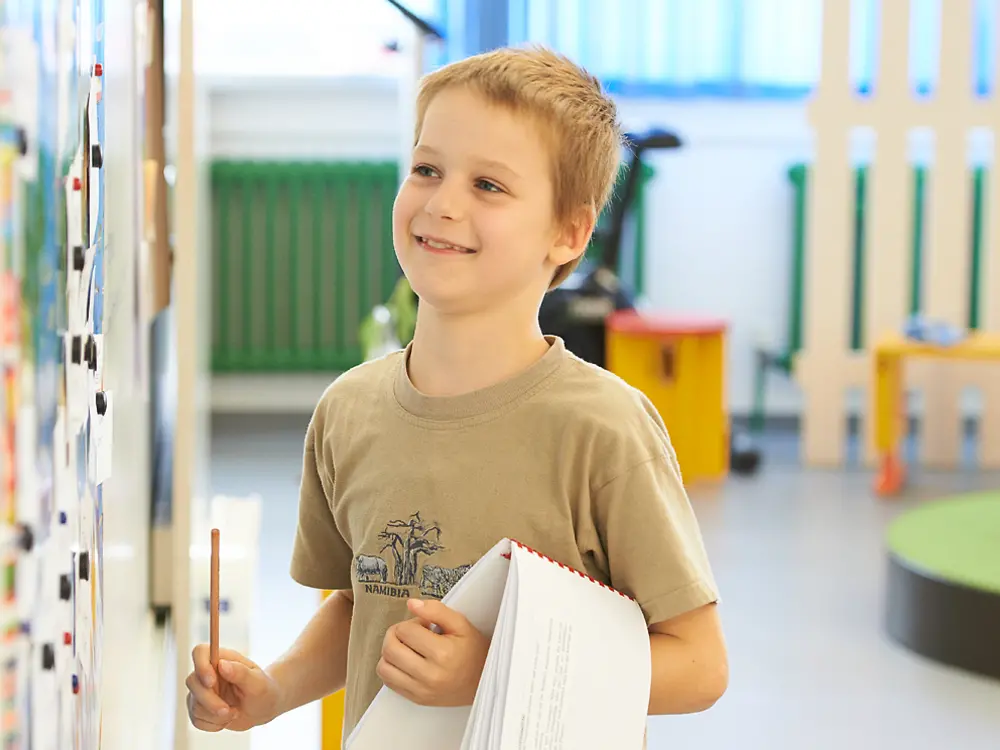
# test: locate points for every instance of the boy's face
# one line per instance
(473, 223)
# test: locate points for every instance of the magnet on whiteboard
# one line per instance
(26, 539)
(76, 351)
(90, 353)
(48, 656)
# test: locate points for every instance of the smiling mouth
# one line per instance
(436, 246)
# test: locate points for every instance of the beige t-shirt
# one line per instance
(402, 492)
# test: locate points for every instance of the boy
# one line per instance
(418, 462)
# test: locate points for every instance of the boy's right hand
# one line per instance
(239, 697)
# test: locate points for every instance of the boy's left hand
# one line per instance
(429, 668)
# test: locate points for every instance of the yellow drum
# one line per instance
(679, 364)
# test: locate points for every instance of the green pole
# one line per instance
(799, 177)
(223, 184)
(317, 248)
(858, 291)
(296, 177)
(247, 262)
(917, 270)
(975, 288)
(271, 261)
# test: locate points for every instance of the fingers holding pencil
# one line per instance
(226, 690)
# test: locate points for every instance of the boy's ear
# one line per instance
(574, 236)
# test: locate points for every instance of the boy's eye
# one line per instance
(488, 186)
(423, 170)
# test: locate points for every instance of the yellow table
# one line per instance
(888, 401)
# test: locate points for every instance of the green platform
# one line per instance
(956, 539)
(943, 588)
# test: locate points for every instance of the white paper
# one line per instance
(84, 624)
(477, 595)
(563, 660)
(27, 577)
(96, 87)
(101, 428)
(53, 562)
(66, 37)
(77, 386)
(64, 483)
(94, 185)
(67, 718)
(86, 520)
(66, 498)
(484, 720)
(86, 290)
(74, 215)
(45, 687)
(95, 203)
(99, 359)
(561, 645)
(22, 78)
(25, 447)
(76, 313)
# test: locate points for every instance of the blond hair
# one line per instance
(579, 121)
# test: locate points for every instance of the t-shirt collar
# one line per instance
(482, 401)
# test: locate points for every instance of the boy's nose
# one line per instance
(445, 203)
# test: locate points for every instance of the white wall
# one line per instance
(719, 211)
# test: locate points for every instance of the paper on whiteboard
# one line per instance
(101, 429)
(21, 77)
(77, 384)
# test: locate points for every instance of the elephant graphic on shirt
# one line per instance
(436, 581)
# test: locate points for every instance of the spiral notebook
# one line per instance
(568, 666)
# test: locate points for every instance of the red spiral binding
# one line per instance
(567, 567)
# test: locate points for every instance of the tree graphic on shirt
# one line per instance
(407, 540)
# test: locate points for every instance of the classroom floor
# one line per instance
(798, 556)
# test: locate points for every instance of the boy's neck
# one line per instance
(454, 355)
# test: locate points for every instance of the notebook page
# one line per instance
(485, 707)
(505, 635)
(580, 663)
(477, 595)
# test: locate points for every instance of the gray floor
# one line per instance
(798, 556)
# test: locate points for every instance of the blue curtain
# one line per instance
(729, 48)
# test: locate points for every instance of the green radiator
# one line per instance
(301, 253)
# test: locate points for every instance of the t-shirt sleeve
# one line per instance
(654, 547)
(321, 557)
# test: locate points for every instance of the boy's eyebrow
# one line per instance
(487, 163)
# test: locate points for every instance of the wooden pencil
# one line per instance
(214, 602)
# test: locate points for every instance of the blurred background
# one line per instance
(800, 268)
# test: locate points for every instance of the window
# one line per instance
(730, 48)
(321, 38)
(733, 48)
